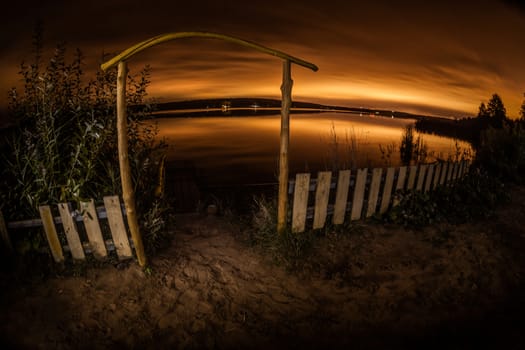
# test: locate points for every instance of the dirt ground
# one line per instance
(444, 286)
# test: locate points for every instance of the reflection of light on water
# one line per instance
(233, 146)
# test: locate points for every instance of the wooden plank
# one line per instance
(322, 194)
(454, 172)
(373, 194)
(71, 231)
(421, 177)
(461, 171)
(387, 190)
(101, 211)
(300, 202)
(4, 235)
(412, 177)
(437, 175)
(341, 197)
(444, 170)
(116, 225)
(401, 177)
(51, 233)
(430, 172)
(465, 167)
(400, 186)
(449, 172)
(92, 225)
(359, 194)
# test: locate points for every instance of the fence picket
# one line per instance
(401, 177)
(71, 231)
(387, 190)
(421, 177)
(92, 225)
(359, 194)
(374, 191)
(461, 169)
(116, 225)
(321, 198)
(430, 172)
(51, 233)
(437, 175)
(300, 202)
(400, 185)
(444, 170)
(412, 177)
(449, 172)
(341, 197)
(455, 171)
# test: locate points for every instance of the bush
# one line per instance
(502, 152)
(287, 248)
(474, 196)
(64, 144)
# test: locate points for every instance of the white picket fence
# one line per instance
(67, 228)
(357, 195)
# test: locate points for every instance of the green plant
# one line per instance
(502, 152)
(64, 145)
(287, 248)
(412, 147)
(406, 149)
(386, 153)
(474, 196)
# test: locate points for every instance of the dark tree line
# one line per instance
(491, 115)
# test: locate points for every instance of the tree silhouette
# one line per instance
(496, 111)
(482, 112)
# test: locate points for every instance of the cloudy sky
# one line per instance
(433, 57)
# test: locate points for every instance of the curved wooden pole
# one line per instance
(286, 103)
(135, 49)
(125, 173)
(286, 90)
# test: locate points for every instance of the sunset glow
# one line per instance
(440, 58)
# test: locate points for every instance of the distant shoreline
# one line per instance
(261, 106)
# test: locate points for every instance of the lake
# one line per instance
(229, 150)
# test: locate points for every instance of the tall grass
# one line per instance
(346, 153)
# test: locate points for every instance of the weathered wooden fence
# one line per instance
(363, 193)
(79, 231)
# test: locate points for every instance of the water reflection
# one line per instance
(245, 149)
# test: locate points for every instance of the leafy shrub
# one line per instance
(64, 144)
(474, 196)
(286, 248)
(502, 152)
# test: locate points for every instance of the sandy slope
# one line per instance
(377, 287)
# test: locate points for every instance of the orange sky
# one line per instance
(435, 57)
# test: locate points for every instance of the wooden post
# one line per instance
(286, 92)
(125, 172)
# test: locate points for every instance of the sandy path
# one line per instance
(381, 287)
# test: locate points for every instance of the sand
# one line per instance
(376, 286)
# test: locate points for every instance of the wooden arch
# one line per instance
(125, 173)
